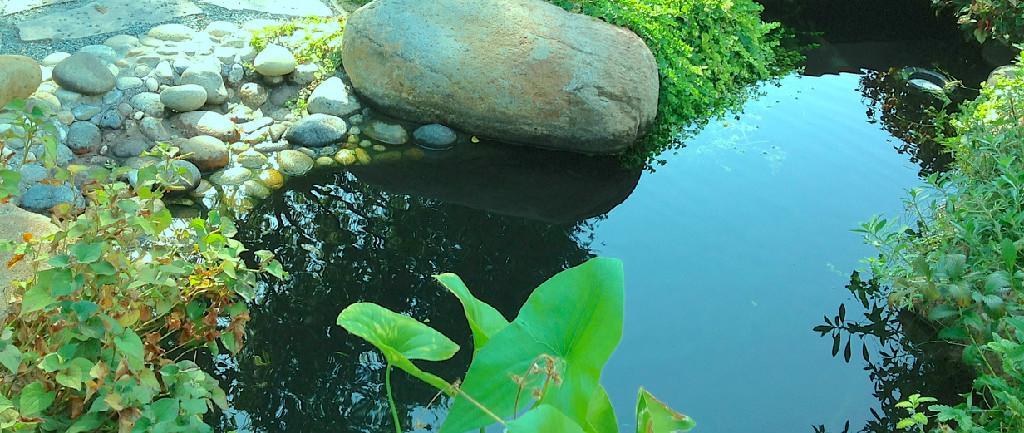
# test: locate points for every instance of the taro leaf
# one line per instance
(543, 419)
(600, 413)
(576, 316)
(653, 416)
(400, 338)
(483, 319)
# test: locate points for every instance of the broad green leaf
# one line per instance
(10, 357)
(86, 423)
(600, 413)
(653, 416)
(576, 317)
(543, 419)
(36, 298)
(401, 339)
(86, 252)
(34, 400)
(131, 347)
(59, 281)
(483, 319)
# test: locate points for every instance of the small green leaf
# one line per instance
(543, 419)
(653, 416)
(484, 320)
(131, 347)
(10, 357)
(87, 252)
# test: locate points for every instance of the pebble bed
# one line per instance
(232, 111)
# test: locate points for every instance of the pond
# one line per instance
(733, 251)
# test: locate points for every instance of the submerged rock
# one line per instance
(294, 162)
(434, 137)
(525, 72)
(387, 132)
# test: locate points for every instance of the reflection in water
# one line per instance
(899, 352)
(345, 240)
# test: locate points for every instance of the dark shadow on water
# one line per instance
(378, 234)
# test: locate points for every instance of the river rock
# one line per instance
(1008, 72)
(129, 145)
(83, 138)
(171, 32)
(387, 132)
(294, 162)
(525, 72)
(332, 97)
(19, 77)
(231, 176)
(210, 123)
(206, 152)
(208, 76)
(317, 130)
(42, 197)
(253, 95)
(84, 73)
(183, 98)
(274, 61)
(148, 103)
(273, 179)
(251, 159)
(434, 137)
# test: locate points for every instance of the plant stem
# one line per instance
(391, 399)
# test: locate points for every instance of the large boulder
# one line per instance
(19, 77)
(84, 73)
(16, 224)
(521, 71)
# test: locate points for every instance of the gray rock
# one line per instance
(268, 147)
(149, 103)
(187, 97)
(294, 162)
(317, 130)
(42, 197)
(154, 129)
(274, 61)
(184, 178)
(55, 58)
(280, 95)
(129, 83)
(332, 97)
(109, 119)
(86, 112)
(386, 132)
(434, 137)
(163, 73)
(83, 73)
(83, 138)
(128, 146)
(207, 76)
(253, 188)
(206, 152)
(253, 95)
(527, 72)
(304, 74)
(1008, 72)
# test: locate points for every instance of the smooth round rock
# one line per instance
(127, 147)
(83, 138)
(294, 162)
(206, 152)
(207, 76)
(273, 179)
(42, 197)
(184, 178)
(253, 95)
(345, 157)
(231, 176)
(274, 61)
(434, 137)
(317, 130)
(210, 123)
(149, 103)
(171, 32)
(184, 98)
(19, 77)
(251, 159)
(255, 189)
(84, 73)
(387, 132)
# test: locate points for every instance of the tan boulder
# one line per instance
(20, 76)
(17, 222)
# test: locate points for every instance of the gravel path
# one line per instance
(10, 43)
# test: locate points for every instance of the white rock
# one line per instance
(274, 61)
(172, 32)
(187, 97)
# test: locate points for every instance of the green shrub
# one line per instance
(96, 338)
(710, 54)
(960, 262)
(999, 19)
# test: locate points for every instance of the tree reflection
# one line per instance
(346, 241)
(899, 352)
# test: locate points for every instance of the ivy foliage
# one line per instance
(960, 260)
(711, 54)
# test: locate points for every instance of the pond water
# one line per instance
(733, 251)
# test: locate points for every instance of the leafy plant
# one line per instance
(120, 296)
(710, 54)
(314, 40)
(25, 133)
(540, 372)
(959, 263)
(998, 19)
